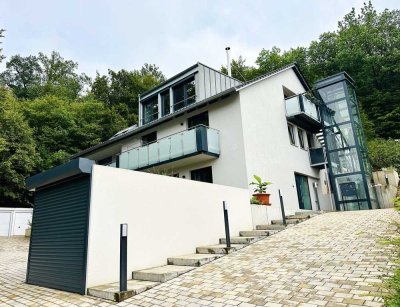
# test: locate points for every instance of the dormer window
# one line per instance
(184, 94)
(150, 110)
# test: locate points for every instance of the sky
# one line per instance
(174, 34)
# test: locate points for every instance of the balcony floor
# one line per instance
(181, 162)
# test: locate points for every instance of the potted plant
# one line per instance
(260, 190)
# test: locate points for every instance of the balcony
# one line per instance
(317, 157)
(180, 149)
(303, 112)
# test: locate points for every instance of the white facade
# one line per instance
(14, 221)
(253, 137)
(166, 217)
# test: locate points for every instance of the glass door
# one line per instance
(303, 192)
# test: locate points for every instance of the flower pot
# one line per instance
(263, 198)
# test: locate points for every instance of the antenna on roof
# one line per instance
(228, 65)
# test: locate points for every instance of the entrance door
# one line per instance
(303, 192)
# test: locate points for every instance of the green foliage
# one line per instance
(392, 284)
(384, 153)
(62, 127)
(1, 49)
(260, 186)
(17, 152)
(121, 89)
(240, 70)
(35, 76)
(254, 201)
(367, 47)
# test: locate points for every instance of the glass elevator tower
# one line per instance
(346, 151)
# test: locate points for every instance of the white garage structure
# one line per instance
(14, 221)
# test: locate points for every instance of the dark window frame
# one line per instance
(152, 116)
(187, 100)
(201, 172)
(149, 138)
(292, 137)
(165, 111)
(300, 134)
(196, 120)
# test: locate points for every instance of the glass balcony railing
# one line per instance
(301, 104)
(198, 140)
(303, 111)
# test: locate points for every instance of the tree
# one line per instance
(384, 153)
(17, 152)
(1, 49)
(35, 76)
(121, 89)
(62, 128)
(240, 70)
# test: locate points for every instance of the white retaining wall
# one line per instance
(166, 217)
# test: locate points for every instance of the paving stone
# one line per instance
(297, 266)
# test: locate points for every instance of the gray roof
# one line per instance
(198, 104)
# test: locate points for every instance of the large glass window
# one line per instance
(340, 136)
(344, 161)
(340, 111)
(184, 94)
(165, 103)
(350, 187)
(150, 110)
(291, 134)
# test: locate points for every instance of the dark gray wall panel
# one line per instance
(57, 254)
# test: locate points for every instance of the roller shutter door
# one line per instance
(57, 255)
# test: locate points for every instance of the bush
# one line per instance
(384, 153)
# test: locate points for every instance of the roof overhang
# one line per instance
(72, 168)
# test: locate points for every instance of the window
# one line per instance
(149, 138)
(150, 110)
(165, 103)
(105, 161)
(184, 94)
(202, 174)
(291, 134)
(300, 133)
(310, 140)
(199, 119)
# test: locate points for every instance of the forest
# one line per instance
(50, 111)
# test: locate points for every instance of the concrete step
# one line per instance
(194, 260)
(298, 217)
(241, 240)
(161, 273)
(270, 227)
(218, 249)
(310, 213)
(279, 222)
(111, 291)
(254, 233)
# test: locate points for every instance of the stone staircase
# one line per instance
(143, 280)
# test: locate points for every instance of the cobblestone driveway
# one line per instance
(331, 260)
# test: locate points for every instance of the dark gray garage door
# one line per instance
(57, 254)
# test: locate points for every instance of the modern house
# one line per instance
(209, 133)
(206, 126)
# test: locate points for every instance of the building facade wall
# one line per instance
(166, 217)
(268, 151)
